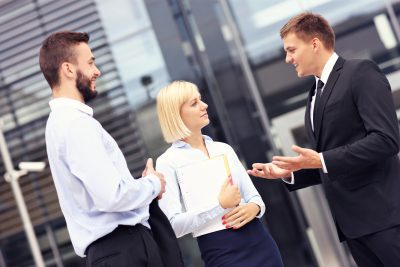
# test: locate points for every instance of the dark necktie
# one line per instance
(320, 84)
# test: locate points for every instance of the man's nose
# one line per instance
(288, 59)
(97, 72)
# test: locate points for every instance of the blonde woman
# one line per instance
(245, 242)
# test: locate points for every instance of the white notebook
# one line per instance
(200, 185)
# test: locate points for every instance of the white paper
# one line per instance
(200, 185)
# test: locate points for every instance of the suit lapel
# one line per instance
(330, 84)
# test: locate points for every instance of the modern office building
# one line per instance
(231, 49)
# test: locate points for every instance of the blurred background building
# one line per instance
(231, 49)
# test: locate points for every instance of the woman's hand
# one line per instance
(240, 215)
(229, 195)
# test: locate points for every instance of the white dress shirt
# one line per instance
(94, 186)
(324, 78)
(180, 154)
(326, 71)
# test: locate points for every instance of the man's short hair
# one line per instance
(307, 26)
(57, 49)
(169, 103)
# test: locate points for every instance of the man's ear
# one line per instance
(67, 70)
(316, 43)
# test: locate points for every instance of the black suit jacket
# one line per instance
(357, 131)
(164, 236)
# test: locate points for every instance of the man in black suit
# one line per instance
(353, 130)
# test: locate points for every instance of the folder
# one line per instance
(200, 185)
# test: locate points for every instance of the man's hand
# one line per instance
(149, 169)
(269, 171)
(307, 159)
(240, 215)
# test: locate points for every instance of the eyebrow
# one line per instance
(195, 98)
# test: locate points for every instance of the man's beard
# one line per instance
(83, 84)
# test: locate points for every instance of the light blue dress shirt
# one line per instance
(180, 154)
(94, 186)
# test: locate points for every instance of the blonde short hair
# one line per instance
(169, 102)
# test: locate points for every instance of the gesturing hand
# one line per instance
(149, 169)
(229, 195)
(268, 171)
(307, 159)
(241, 215)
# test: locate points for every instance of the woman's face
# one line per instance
(194, 113)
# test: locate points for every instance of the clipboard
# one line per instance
(200, 185)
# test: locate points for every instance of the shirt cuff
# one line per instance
(155, 181)
(323, 163)
(262, 208)
(289, 180)
(217, 211)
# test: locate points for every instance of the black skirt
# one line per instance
(249, 246)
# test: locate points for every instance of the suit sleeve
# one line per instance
(304, 178)
(373, 99)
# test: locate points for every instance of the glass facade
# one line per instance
(231, 49)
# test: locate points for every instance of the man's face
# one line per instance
(301, 54)
(85, 85)
(86, 73)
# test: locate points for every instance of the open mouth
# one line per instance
(93, 82)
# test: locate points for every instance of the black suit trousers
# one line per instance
(126, 246)
(377, 249)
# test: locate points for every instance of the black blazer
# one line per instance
(164, 236)
(357, 131)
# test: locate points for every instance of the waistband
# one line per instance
(120, 229)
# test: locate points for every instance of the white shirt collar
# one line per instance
(327, 68)
(180, 143)
(64, 102)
